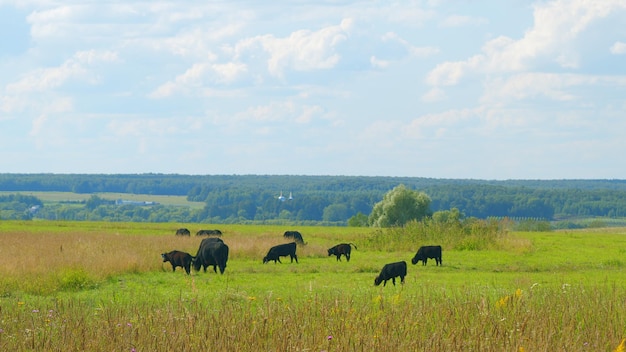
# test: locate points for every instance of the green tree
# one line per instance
(358, 220)
(399, 206)
(448, 216)
(335, 212)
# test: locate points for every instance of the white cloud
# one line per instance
(378, 63)
(303, 50)
(556, 25)
(433, 95)
(618, 48)
(555, 87)
(77, 67)
(431, 126)
(280, 112)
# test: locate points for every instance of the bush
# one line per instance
(469, 234)
(76, 279)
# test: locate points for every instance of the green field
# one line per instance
(90, 286)
(56, 197)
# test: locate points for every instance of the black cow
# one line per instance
(178, 258)
(209, 233)
(341, 249)
(390, 272)
(183, 232)
(294, 235)
(281, 250)
(425, 252)
(212, 252)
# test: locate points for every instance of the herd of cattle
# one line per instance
(214, 252)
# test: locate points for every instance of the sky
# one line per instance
(443, 89)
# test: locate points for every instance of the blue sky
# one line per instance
(443, 89)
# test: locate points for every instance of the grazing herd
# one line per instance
(214, 252)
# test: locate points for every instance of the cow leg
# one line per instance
(339, 257)
(296, 257)
(348, 257)
(278, 258)
(215, 269)
(402, 280)
(188, 268)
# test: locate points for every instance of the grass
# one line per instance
(70, 286)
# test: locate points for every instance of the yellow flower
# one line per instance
(521, 349)
(621, 347)
(502, 302)
(19, 304)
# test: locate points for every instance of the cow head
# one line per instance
(377, 280)
(165, 257)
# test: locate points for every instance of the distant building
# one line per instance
(134, 202)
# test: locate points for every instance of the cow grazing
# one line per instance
(212, 252)
(209, 233)
(178, 258)
(281, 250)
(425, 252)
(294, 235)
(341, 249)
(390, 272)
(183, 232)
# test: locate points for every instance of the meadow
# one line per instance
(99, 286)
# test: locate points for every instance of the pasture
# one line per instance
(85, 286)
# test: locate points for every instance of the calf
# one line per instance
(425, 252)
(178, 258)
(281, 250)
(390, 272)
(341, 249)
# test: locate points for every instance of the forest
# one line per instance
(300, 199)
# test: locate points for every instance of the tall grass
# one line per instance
(103, 287)
(473, 234)
(426, 318)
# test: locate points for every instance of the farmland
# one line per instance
(102, 286)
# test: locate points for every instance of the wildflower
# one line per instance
(35, 310)
(251, 298)
(329, 337)
(129, 325)
(502, 302)
(621, 347)
(19, 304)
(521, 349)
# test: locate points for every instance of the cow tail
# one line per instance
(353, 245)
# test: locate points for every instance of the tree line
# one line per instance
(336, 200)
